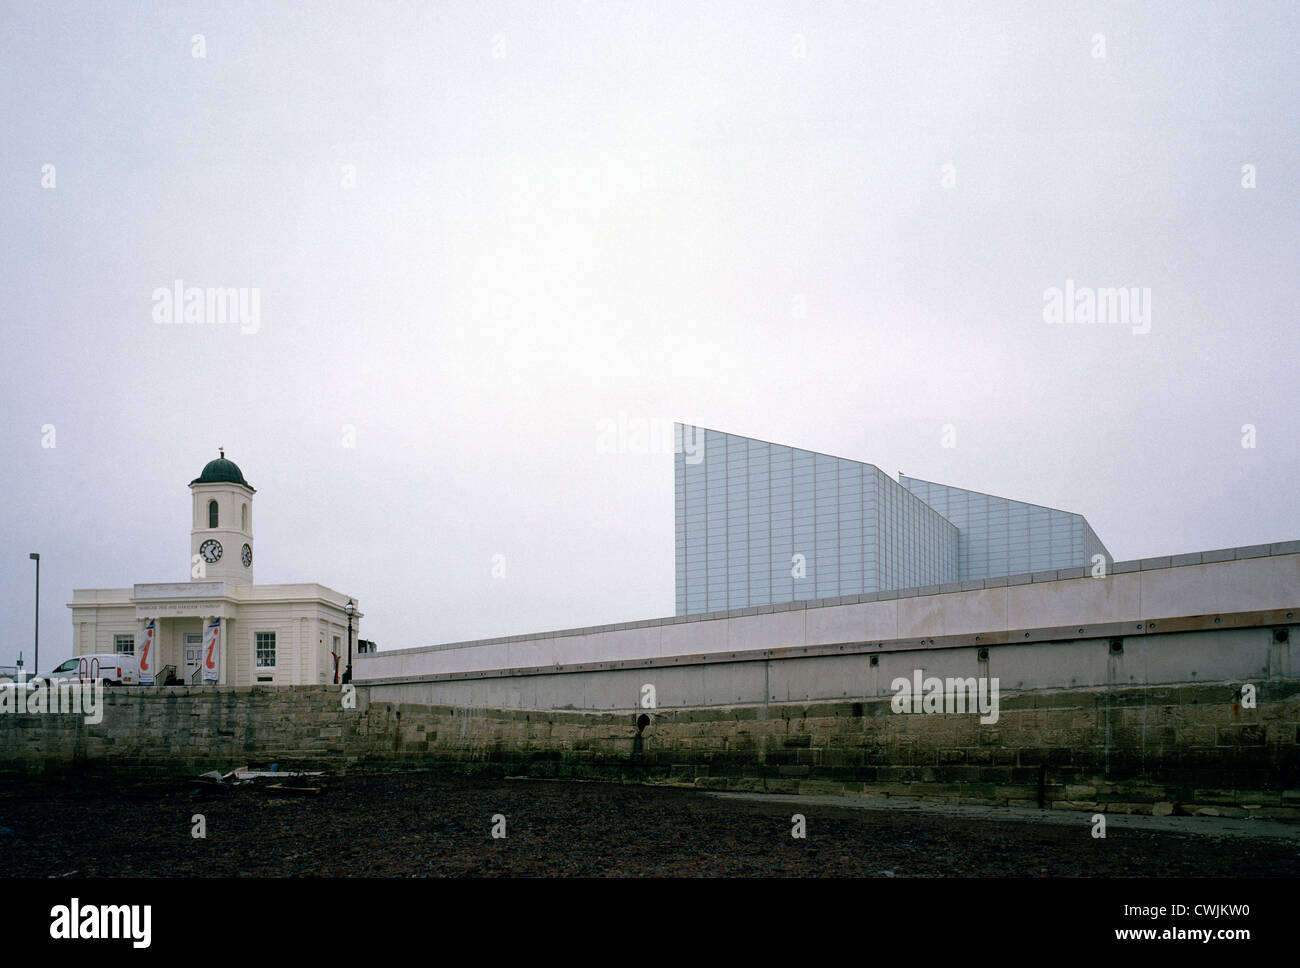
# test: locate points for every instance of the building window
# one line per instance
(124, 644)
(212, 514)
(336, 646)
(266, 650)
(243, 517)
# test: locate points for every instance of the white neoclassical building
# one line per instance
(219, 626)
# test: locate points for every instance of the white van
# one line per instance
(115, 668)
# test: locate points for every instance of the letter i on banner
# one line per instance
(145, 649)
(212, 651)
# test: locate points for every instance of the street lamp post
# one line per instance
(36, 661)
(350, 608)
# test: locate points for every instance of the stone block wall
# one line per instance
(1180, 748)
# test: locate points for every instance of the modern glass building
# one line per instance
(999, 537)
(761, 523)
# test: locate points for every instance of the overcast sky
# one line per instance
(482, 234)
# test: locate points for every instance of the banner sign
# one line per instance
(212, 651)
(144, 650)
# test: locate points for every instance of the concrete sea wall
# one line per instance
(1135, 597)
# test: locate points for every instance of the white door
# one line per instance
(193, 654)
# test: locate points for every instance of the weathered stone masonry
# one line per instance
(1188, 748)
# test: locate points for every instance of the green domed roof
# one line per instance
(221, 471)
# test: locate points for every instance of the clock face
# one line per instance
(247, 555)
(210, 550)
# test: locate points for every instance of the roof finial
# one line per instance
(222, 451)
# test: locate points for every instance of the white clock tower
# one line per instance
(222, 532)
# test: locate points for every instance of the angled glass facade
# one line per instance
(1004, 537)
(761, 523)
